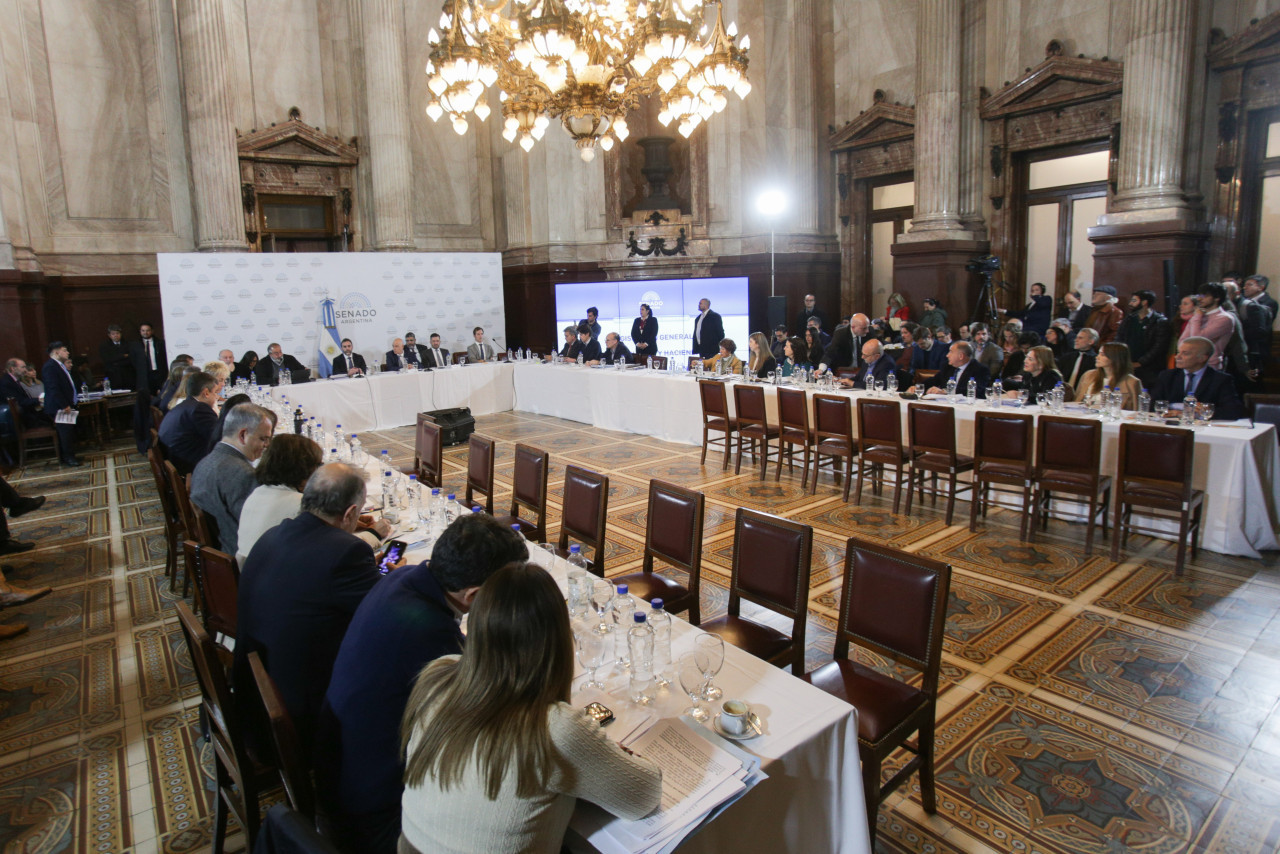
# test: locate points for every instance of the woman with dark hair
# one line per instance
(244, 367)
(1115, 371)
(282, 473)
(795, 356)
(1014, 363)
(495, 755)
(813, 349)
(1056, 340)
(644, 333)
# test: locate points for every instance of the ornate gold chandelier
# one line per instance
(585, 62)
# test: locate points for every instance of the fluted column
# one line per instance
(387, 106)
(1153, 113)
(215, 168)
(972, 170)
(937, 144)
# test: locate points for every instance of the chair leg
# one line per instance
(951, 497)
(848, 479)
(219, 816)
(897, 487)
(912, 475)
(857, 492)
(1183, 524)
(705, 438)
(804, 472)
(764, 457)
(1115, 534)
(737, 463)
(1088, 531)
(975, 498)
(925, 742)
(871, 792)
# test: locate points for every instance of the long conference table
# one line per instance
(1237, 466)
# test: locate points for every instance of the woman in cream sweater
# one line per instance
(1115, 371)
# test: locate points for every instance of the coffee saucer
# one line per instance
(754, 728)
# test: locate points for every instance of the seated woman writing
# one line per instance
(733, 365)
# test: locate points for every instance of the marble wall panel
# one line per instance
(875, 48)
(1231, 16)
(284, 55)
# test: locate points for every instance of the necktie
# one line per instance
(151, 356)
(439, 361)
(1191, 385)
(1075, 369)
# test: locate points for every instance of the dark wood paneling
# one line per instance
(1131, 257)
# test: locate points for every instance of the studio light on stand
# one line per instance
(771, 204)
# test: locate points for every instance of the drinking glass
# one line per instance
(1023, 396)
(601, 596)
(711, 646)
(690, 669)
(1161, 409)
(1204, 413)
(593, 648)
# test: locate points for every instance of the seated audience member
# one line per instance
(814, 349)
(180, 394)
(268, 370)
(760, 362)
(12, 386)
(569, 352)
(615, 351)
(1040, 375)
(223, 480)
(589, 346)
(896, 312)
(227, 358)
(170, 388)
(963, 367)
(348, 362)
(1013, 363)
(963, 333)
(779, 343)
(1082, 357)
(394, 359)
(437, 356)
(942, 335)
(244, 367)
(918, 351)
(1057, 341)
(187, 432)
(815, 323)
(60, 396)
(1193, 376)
(219, 371)
(1113, 370)
(227, 405)
(414, 353)
(481, 350)
(644, 332)
(299, 589)
(933, 346)
(985, 352)
(933, 316)
(879, 365)
(1009, 339)
(796, 355)
(117, 361)
(733, 365)
(1036, 313)
(17, 505)
(495, 754)
(416, 612)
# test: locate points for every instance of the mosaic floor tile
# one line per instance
(45, 531)
(1052, 567)
(46, 698)
(166, 674)
(984, 618)
(142, 550)
(79, 613)
(763, 495)
(150, 598)
(182, 782)
(48, 483)
(73, 563)
(1212, 605)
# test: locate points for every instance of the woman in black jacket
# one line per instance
(813, 347)
(1039, 376)
(644, 334)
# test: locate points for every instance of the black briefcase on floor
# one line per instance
(456, 425)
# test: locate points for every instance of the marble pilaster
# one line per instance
(215, 170)
(973, 67)
(390, 197)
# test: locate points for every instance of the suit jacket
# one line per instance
(1148, 341)
(1079, 316)
(265, 372)
(844, 351)
(1035, 316)
(420, 350)
(59, 390)
(341, 364)
(802, 320)
(392, 362)
(299, 589)
(1035, 385)
(647, 335)
(31, 409)
(430, 360)
(706, 341)
(990, 357)
(1268, 302)
(187, 433)
(116, 363)
(619, 353)
(482, 351)
(975, 370)
(880, 369)
(151, 379)
(590, 351)
(1087, 358)
(769, 364)
(1214, 387)
(220, 484)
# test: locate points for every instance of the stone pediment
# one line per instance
(1260, 42)
(880, 125)
(293, 141)
(1057, 82)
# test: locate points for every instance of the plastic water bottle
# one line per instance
(576, 559)
(451, 509)
(434, 507)
(337, 436)
(384, 460)
(996, 392)
(622, 606)
(580, 582)
(106, 386)
(388, 490)
(971, 393)
(951, 390)
(580, 360)
(660, 622)
(640, 649)
(356, 449)
(411, 497)
(1144, 405)
(1059, 397)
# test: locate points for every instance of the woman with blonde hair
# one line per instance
(180, 388)
(1040, 375)
(761, 361)
(897, 312)
(495, 755)
(219, 371)
(1115, 371)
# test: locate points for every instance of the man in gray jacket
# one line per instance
(224, 478)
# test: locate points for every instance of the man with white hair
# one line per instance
(1106, 317)
(227, 358)
(223, 479)
(1193, 377)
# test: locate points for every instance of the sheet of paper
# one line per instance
(67, 417)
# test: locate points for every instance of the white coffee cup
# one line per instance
(734, 715)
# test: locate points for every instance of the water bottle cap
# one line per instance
(353, 437)
(515, 528)
(477, 509)
(656, 604)
(335, 450)
(386, 474)
(638, 616)
(413, 478)
(435, 491)
(574, 549)
(452, 496)
(622, 590)
(338, 427)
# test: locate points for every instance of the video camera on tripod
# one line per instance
(985, 309)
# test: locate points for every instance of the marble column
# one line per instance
(390, 196)
(215, 168)
(972, 164)
(6, 243)
(1153, 114)
(937, 143)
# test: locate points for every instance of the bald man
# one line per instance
(395, 356)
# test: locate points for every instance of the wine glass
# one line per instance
(601, 596)
(1204, 413)
(690, 669)
(712, 646)
(1023, 396)
(593, 648)
(1161, 409)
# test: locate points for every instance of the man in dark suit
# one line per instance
(436, 356)
(845, 349)
(414, 611)
(879, 365)
(268, 370)
(116, 359)
(300, 587)
(708, 330)
(962, 366)
(187, 430)
(150, 364)
(60, 396)
(1255, 288)
(394, 358)
(348, 361)
(223, 480)
(590, 348)
(414, 353)
(1147, 333)
(1193, 376)
(11, 387)
(1036, 314)
(1082, 359)
(615, 351)
(810, 310)
(1077, 310)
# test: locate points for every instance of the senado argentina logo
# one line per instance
(355, 307)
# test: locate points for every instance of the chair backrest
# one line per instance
(586, 504)
(194, 521)
(293, 771)
(793, 409)
(15, 415)
(1068, 444)
(848, 372)
(879, 423)
(715, 402)
(1005, 438)
(1262, 408)
(1157, 456)
(772, 559)
(480, 454)
(749, 401)
(429, 452)
(164, 487)
(673, 530)
(219, 580)
(529, 481)
(659, 362)
(832, 418)
(932, 429)
(909, 632)
(157, 415)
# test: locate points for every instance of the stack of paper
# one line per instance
(701, 775)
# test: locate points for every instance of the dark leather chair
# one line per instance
(716, 419)
(894, 604)
(529, 490)
(219, 580)
(1068, 461)
(26, 435)
(428, 454)
(753, 425)
(178, 489)
(1264, 409)
(1002, 454)
(932, 433)
(174, 524)
(793, 429)
(480, 454)
(586, 503)
(157, 416)
(1154, 472)
(833, 438)
(238, 780)
(849, 372)
(659, 362)
(879, 446)
(771, 568)
(673, 533)
(288, 758)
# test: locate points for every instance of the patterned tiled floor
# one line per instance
(1086, 706)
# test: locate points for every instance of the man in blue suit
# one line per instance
(879, 365)
(962, 366)
(60, 396)
(187, 432)
(1194, 376)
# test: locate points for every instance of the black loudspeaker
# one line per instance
(777, 316)
(456, 425)
(1171, 298)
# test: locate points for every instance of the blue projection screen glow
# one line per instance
(674, 303)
